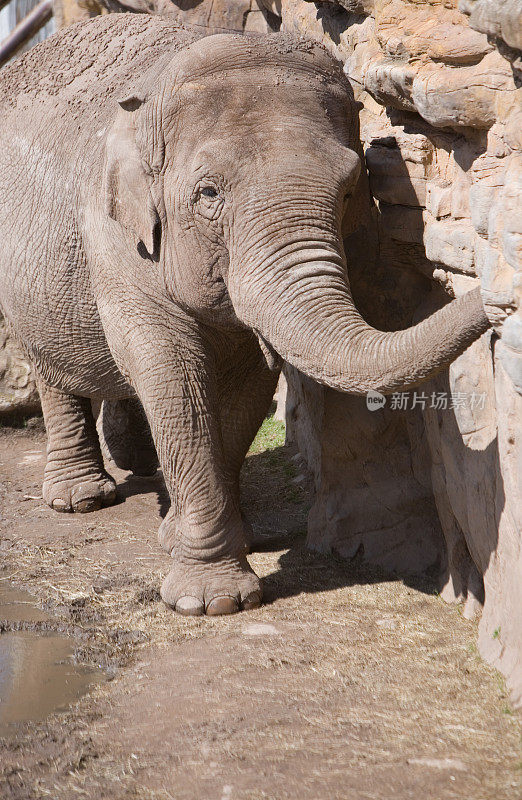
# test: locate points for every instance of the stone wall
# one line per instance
(214, 16)
(441, 122)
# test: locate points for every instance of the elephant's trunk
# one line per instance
(305, 311)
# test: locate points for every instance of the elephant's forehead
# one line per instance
(291, 74)
(252, 96)
(225, 52)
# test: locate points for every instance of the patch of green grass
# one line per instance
(496, 633)
(270, 435)
(270, 463)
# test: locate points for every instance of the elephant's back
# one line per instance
(82, 67)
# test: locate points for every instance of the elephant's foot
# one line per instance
(74, 478)
(222, 587)
(81, 493)
(167, 534)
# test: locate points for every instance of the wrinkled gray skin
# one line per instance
(170, 226)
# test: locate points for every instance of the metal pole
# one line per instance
(26, 29)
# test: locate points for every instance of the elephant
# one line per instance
(171, 229)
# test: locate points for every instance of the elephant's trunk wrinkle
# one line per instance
(304, 309)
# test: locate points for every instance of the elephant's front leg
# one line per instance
(246, 390)
(203, 529)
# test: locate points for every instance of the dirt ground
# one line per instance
(347, 683)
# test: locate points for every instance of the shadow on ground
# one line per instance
(276, 498)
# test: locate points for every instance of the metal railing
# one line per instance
(25, 29)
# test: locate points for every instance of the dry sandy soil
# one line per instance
(347, 683)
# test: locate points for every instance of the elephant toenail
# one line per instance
(109, 498)
(253, 600)
(222, 605)
(60, 505)
(88, 504)
(189, 606)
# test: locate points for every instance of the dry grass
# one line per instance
(370, 689)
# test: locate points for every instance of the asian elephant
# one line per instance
(170, 228)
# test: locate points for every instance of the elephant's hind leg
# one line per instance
(125, 434)
(74, 479)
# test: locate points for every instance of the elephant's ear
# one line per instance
(127, 178)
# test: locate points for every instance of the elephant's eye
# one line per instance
(207, 201)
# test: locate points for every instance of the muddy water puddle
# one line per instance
(37, 671)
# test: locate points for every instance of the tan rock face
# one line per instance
(441, 121)
(18, 394)
(215, 17)
(500, 18)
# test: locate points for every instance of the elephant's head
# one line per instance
(235, 166)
